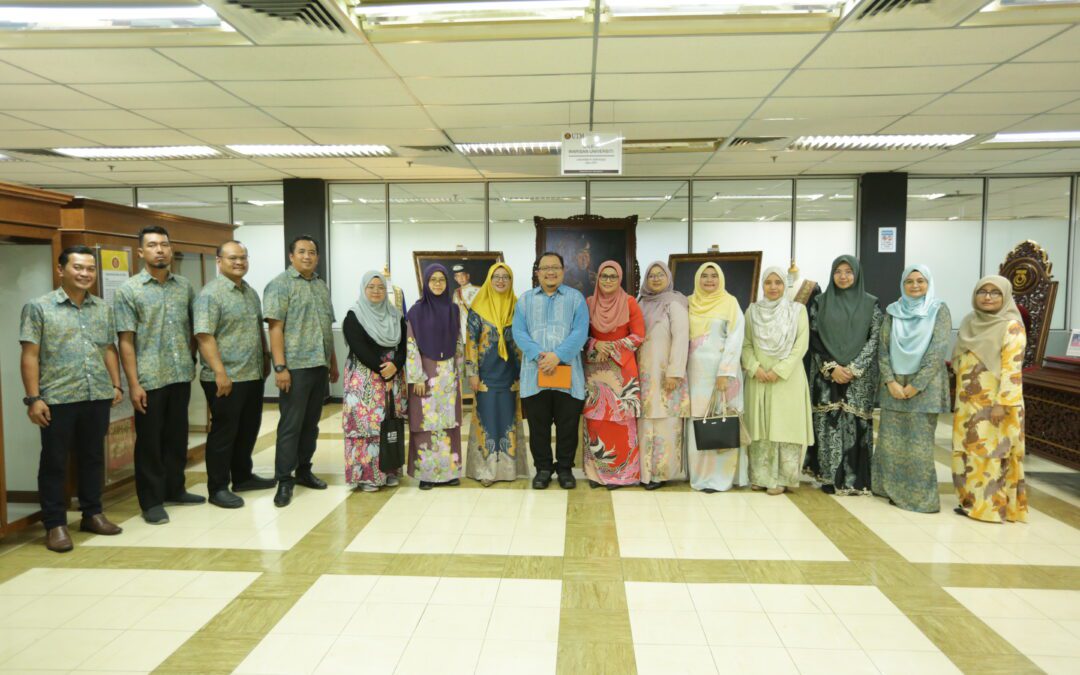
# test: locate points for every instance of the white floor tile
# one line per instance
(808, 631)
(316, 617)
(384, 619)
(529, 593)
(672, 597)
(451, 656)
(403, 589)
(282, 654)
(892, 662)
(141, 650)
(78, 645)
(876, 631)
(118, 613)
(1043, 637)
(666, 628)
(724, 598)
(14, 640)
(857, 600)
(341, 588)
(352, 654)
(182, 614)
(669, 660)
(754, 660)
(832, 662)
(790, 599)
(529, 624)
(455, 591)
(470, 622)
(499, 657)
(739, 629)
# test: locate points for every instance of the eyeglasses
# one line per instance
(657, 276)
(989, 294)
(609, 277)
(500, 277)
(235, 258)
(914, 282)
(550, 268)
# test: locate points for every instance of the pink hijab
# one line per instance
(608, 311)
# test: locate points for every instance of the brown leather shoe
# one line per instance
(57, 539)
(99, 524)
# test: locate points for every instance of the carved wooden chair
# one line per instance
(1028, 268)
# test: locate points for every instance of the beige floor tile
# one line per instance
(754, 660)
(138, 650)
(499, 657)
(344, 656)
(531, 624)
(884, 632)
(899, 662)
(455, 656)
(384, 619)
(663, 660)
(739, 629)
(669, 597)
(529, 593)
(655, 627)
(832, 662)
(281, 654)
(78, 645)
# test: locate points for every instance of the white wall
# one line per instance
(951, 250)
(773, 239)
(266, 252)
(27, 275)
(818, 243)
(355, 248)
(656, 240)
(517, 241)
(1052, 235)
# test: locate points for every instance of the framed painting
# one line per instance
(741, 272)
(585, 242)
(467, 268)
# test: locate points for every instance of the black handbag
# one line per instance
(391, 437)
(722, 432)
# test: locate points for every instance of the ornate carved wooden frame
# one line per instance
(587, 222)
(1028, 268)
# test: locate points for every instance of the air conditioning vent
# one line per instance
(754, 141)
(427, 149)
(289, 22)
(879, 7)
(305, 11)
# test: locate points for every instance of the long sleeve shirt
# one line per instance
(556, 323)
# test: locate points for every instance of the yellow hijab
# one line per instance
(705, 307)
(497, 308)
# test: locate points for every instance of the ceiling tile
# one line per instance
(164, 95)
(521, 89)
(1028, 77)
(449, 173)
(660, 130)
(953, 124)
(280, 63)
(40, 139)
(756, 83)
(388, 117)
(497, 114)
(1072, 107)
(992, 155)
(697, 53)
(136, 137)
(946, 167)
(86, 119)
(1049, 122)
(927, 47)
(510, 134)
(11, 75)
(287, 163)
(370, 92)
(814, 126)
(82, 66)
(242, 176)
(489, 57)
(223, 164)
(842, 106)
(390, 137)
(8, 123)
(212, 118)
(47, 97)
(996, 104)
(1064, 47)
(873, 81)
(688, 111)
(247, 136)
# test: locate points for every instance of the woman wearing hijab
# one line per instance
(714, 376)
(988, 426)
(845, 322)
(492, 362)
(665, 397)
(433, 368)
(374, 378)
(612, 391)
(914, 389)
(778, 416)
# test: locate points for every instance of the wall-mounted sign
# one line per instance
(886, 240)
(591, 153)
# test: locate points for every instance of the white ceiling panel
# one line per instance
(242, 176)
(874, 81)
(953, 124)
(699, 53)
(9, 123)
(489, 57)
(843, 106)
(390, 137)
(213, 118)
(449, 173)
(247, 136)
(224, 164)
(992, 155)
(46, 97)
(81, 66)
(1049, 123)
(370, 92)
(280, 63)
(887, 156)
(138, 137)
(1028, 77)
(928, 47)
(996, 104)
(39, 139)
(1036, 167)
(497, 114)
(164, 95)
(946, 167)
(1071, 107)
(387, 117)
(660, 130)
(86, 119)
(510, 134)
(287, 163)
(1064, 47)
(815, 126)
(11, 75)
(856, 167)
(756, 83)
(104, 167)
(61, 179)
(22, 168)
(161, 177)
(675, 111)
(752, 169)
(521, 89)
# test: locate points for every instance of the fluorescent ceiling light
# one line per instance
(658, 8)
(403, 14)
(929, 197)
(266, 202)
(719, 197)
(999, 5)
(73, 17)
(312, 150)
(4, 158)
(341, 201)
(664, 198)
(1037, 137)
(881, 142)
(449, 199)
(531, 200)
(509, 149)
(166, 152)
(167, 204)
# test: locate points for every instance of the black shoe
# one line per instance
(226, 500)
(654, 485)
(542, 480)
(709, 491)
(960, 511)
(567, 480)
(614, 487)
(155, 515)
(828, 489)
(426, 485)
(453, 483)
(310, 480)
(593, 484)
(254, 483)
(185, 499)
(284, 494)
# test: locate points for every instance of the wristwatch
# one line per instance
(280, 367)
(31, 400)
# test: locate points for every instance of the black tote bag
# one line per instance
(391, 437)
(717, 433)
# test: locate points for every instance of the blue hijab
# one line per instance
(912, 324)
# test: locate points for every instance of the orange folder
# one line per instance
(560, 379)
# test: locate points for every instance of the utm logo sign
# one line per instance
(1023, 278)
(114, 262)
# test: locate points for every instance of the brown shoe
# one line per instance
(57, 539)
(99, 524)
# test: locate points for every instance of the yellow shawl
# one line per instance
(705, 307)
(497, 308)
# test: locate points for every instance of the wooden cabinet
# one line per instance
(1052, 410)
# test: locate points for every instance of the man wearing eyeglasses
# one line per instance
(551, 326)
(235, 362)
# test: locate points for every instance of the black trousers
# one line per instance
(161, 440)
(562, 409)
(298, 427)
(234, 428)
(80, 427)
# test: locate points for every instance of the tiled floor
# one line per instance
(97, 620)
(405, 625)
(512, 580)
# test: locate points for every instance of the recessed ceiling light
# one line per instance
(929, 197)
(485, 11)
(4, 158)
(312, 150)
(1037, 137)
(661, 198)
(658, 8)
(162, 152)
(999, 5)
(721, 197)
(881, 142)
(509, 149)
(266, 202)
(116, 17)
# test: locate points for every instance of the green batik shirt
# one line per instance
(233, 316)
(160, 316)
(72, 342)
(304, 305)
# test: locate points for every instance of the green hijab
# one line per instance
(845, 315)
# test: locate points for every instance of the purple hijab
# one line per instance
(434, 319)
(654, 304)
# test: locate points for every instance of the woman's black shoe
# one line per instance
(453, 483)
(654, 485)
(828, 489)
(425, 485)
(593, 484)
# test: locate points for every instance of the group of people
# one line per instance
(803, 373)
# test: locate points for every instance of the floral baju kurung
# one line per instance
(496, 438)
(435, 418)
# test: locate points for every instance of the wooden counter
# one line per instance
(1052, 402)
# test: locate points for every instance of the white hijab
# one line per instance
(775, 323)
